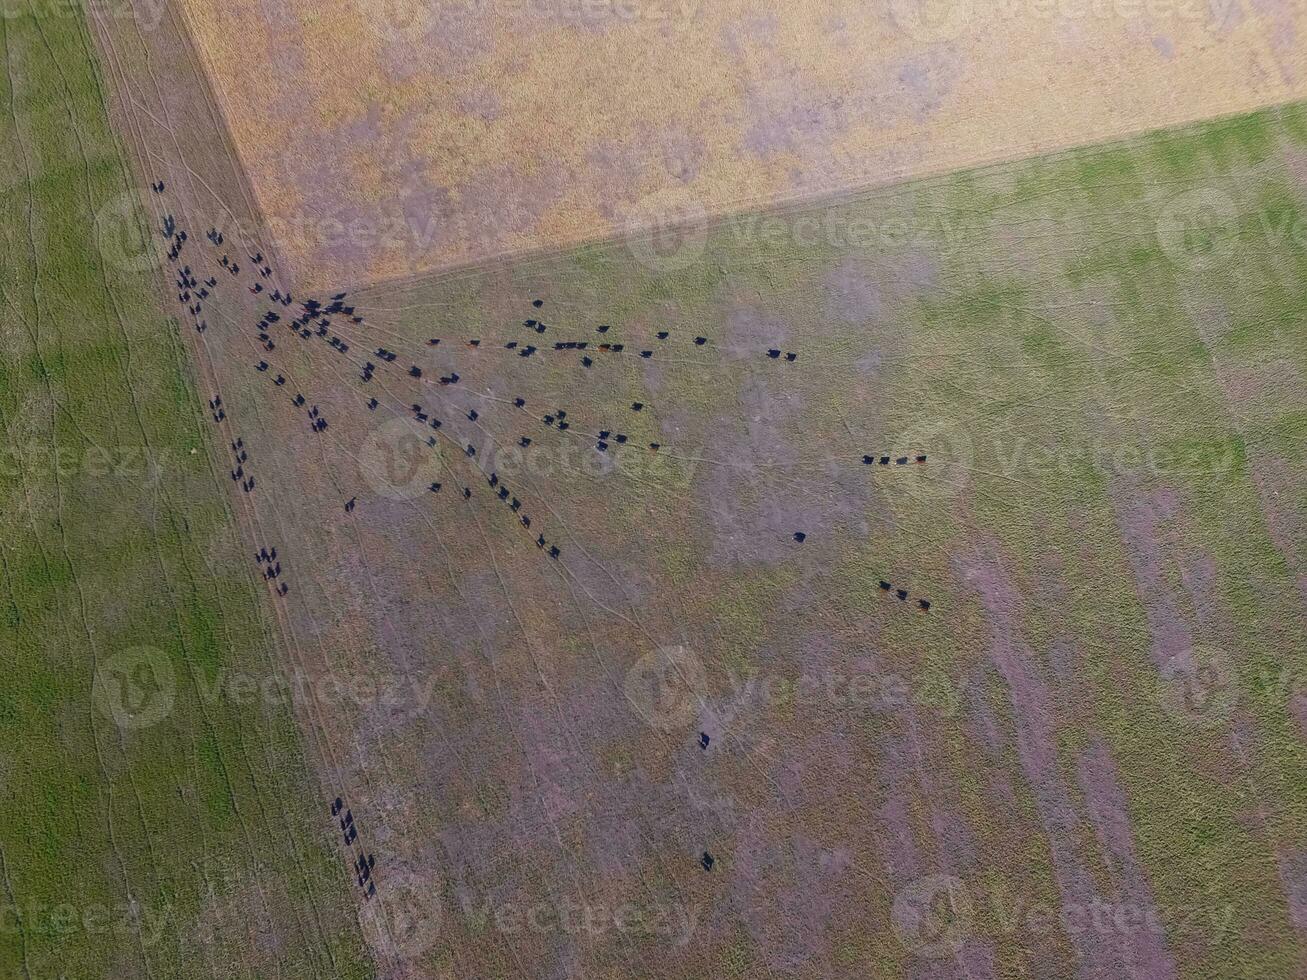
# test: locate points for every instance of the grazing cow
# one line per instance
(662, 334)
(868, 460)
(773, 353)
(467, 493)
(603, 328)
(902, 594)
(646, 354)
(921, 459)
(349, 505)
(700, 341)
(703, 740)
(884, 461)
(791, 356)
(655, 446)
(337, 806)
(621, 439)
(519, 402)
(901, 461)
(586, 362)
(924, 604)
(601, 446)
(800, 537)
(554, 552)
(415, 372)
(707, 861)
(472, 415)
(637, 406)
(435, 488)
(885, 586)
(563, 426)
(524, 442)
(372, 404)
(537, 303)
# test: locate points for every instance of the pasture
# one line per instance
(155, 825)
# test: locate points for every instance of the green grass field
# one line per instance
(151, 828)
(1104, 354)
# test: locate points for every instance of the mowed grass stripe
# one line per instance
(194, 845)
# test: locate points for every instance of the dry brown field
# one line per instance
(387, 138)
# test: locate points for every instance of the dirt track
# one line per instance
(386, 138)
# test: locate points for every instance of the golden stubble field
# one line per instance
(392, 137)
(387, 138)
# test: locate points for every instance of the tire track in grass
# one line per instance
(34, 331)
(272, 769)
